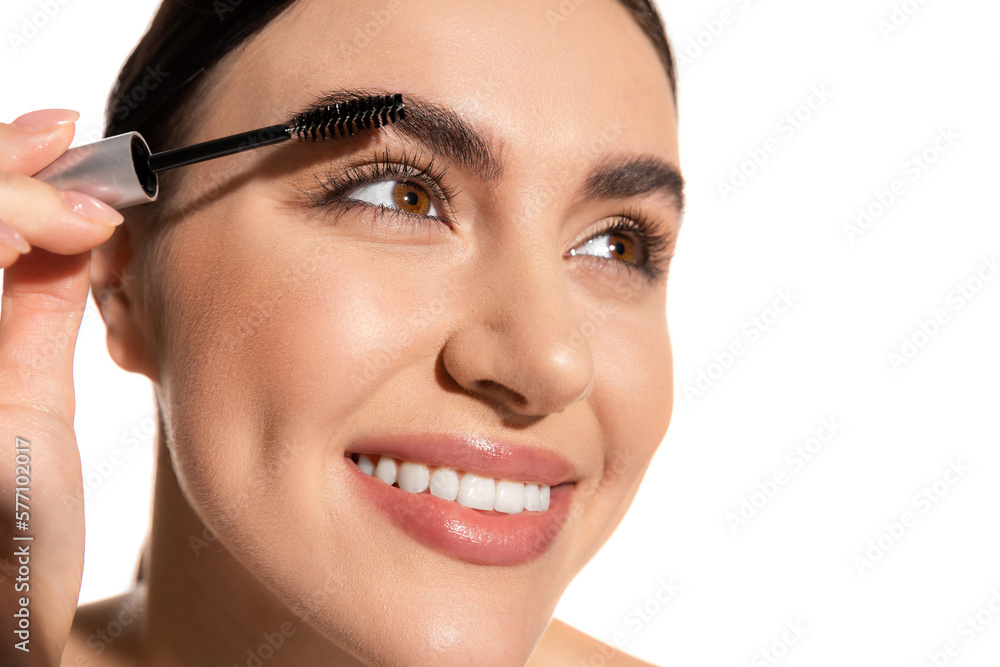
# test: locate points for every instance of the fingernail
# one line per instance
(45, 120)
(10, 237)
(92, 209)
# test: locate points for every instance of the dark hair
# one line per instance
(184, 41)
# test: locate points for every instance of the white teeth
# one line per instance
(386, 470)
(469, 489)
(532, 497)
(510, 497)
(477, 492)
(413, 477)
(444, 483)
(366, 465)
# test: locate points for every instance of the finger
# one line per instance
(35, 139)
(44, 295)
(12, 245)
(63, 222)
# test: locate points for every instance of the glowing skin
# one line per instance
(290, 333)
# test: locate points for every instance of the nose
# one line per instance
(519, 346)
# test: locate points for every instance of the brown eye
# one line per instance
(621, 247)
(411, 197)
(619, 242)
(632, 240)
(399, 195)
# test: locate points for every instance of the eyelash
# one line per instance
(657, 246)
(335, 183)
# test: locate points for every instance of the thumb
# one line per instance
(35, 139)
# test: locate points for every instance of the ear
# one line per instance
(112, 283)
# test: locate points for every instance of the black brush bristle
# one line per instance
(334, 120)
(345, 119)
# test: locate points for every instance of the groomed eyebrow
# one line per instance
(621, 178)
(443, 131)
(440, 129)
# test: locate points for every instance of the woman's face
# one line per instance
(302, 330)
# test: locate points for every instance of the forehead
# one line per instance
(539, 81)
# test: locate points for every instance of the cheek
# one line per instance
(634, 367)
(277, 346)
(633, 401)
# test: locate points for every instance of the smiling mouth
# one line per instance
(469, 497)
(465, 488)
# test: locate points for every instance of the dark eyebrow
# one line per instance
(443, 131)
(438, 128)
(620, 178)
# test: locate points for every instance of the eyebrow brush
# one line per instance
(121, 170)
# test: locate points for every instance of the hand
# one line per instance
(45, 241)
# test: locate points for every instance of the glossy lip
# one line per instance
(478, 455)
(476, 536)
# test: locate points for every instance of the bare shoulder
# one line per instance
(565, 645)
(105, 633)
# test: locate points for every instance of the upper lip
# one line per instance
(473, 453)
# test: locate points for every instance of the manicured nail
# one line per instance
(10, 237)
(45, 120)
(92, 209)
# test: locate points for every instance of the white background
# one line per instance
(795, 561)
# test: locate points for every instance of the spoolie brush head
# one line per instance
(343, 119)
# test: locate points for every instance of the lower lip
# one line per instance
(485, 538)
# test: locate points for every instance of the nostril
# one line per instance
(491, 385)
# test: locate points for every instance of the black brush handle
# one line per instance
(209, 150)
(121, 171)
